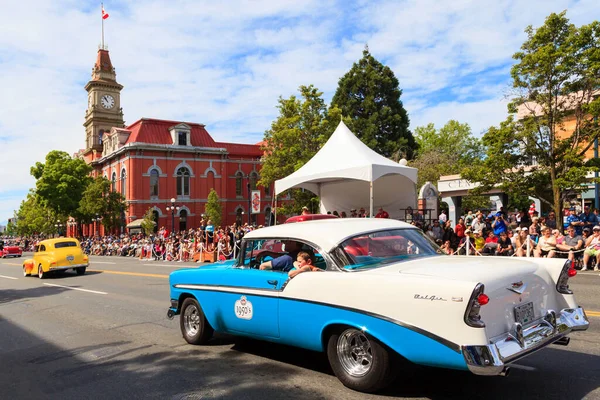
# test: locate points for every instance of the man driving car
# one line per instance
(282, 262)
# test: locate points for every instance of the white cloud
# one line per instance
(226, 63)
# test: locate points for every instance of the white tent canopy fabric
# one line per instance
(347, 174)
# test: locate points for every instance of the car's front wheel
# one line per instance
(41, 273)
(194, 325)
(80, 270)
(358, 360)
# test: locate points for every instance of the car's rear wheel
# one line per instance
(80, 270)
(41, 273)
(358, 360)
(25, 271)
(194, 325)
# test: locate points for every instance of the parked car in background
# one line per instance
(54, 256)
(11, 250)
(381, 293)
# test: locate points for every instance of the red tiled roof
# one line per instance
(103, 61)
(242, 149)
(156, 131)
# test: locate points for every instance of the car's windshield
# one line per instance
(383, 247)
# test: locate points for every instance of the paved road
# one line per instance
(111, 339)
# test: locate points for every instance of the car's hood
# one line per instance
(461, 267)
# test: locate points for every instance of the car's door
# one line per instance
(250, 302)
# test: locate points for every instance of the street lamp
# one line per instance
(58, 225)
(173, 208)
(96, 223)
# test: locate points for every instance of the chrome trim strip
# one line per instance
(491, 359)
(275, 293)
(69, 267)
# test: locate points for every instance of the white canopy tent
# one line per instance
(347, 174)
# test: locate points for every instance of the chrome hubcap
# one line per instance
(40, 271)
(354, 352)
(191, 320)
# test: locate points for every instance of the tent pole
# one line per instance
(275, 223)
(371, 199)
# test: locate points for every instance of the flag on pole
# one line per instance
(104, 13)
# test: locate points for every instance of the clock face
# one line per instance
(107, 101)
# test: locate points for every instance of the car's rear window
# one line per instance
(60, 245)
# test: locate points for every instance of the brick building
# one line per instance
(152, 161)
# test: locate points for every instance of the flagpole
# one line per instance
(102, 17)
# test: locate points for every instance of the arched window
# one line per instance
(268, 216)
(238, 217)
(100, 134)
(182, 220)
(253, 180)
(183, 182)
(238, 183)
(268, 190)
(113, 185)
(124, 183)
(154, 182)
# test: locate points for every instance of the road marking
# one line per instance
(104, 262)
(592, 313)
(129, 273)
(12, 264)
(73, 288)
(8, 277)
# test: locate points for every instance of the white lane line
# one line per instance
(103, 262)
(8, 277)
(167, 265)
(72, 288)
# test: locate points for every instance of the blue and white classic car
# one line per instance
(385, 294)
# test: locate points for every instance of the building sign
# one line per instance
(255, 202)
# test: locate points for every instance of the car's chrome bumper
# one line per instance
(493, 358)
(68, 267)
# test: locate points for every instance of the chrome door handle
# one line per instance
(272, 282)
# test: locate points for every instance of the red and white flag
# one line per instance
(104, 13)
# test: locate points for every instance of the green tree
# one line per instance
(61, 181)
(369, 95)
(148, 223)
(34, 217)
(99, 200)
(11, 227)
(444, 151)
(213, 209)
(302, 127)
(555, 80)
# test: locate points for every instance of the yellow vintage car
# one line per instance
(56, 255)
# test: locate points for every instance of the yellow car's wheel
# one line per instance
(25, 271)
(41, 272)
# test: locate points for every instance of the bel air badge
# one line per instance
(243, 308)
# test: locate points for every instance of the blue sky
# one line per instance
(225, 64)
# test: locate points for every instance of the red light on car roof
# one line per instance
(572, 272)
(483, 299)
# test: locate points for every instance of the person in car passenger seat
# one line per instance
(304, 263)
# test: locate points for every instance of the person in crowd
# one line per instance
(447, 248)
(437, 230)
(535, 229)
(546, 246)
(523, 241)
(443, 218)
(353, 213)
(571, 243)
(585, 234)
(592, 245)
(304, 263)
(469, 218)
(362, 213)
(343, 214)
(478, 240)
(551, 220)
(500, 224)
(491, 243)
(460, 228)
(210, 235)
(588, 218)
(408, 215)
(450, 236)
(381, 213)
(336, 213)
(525, 218)
(305, 210)
(574, 221)
(558, 235)
(505, 246)
(478, 223)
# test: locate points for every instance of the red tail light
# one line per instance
(572, 272)
(483, 299)
(562, 286)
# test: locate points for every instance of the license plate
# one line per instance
(70, 258)
(524, 313)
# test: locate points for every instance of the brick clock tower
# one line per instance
(104, 106)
